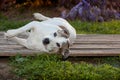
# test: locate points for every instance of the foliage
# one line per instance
(6, 24)
(114, 61)
(5, 4)
(95, 10)
(50, 67)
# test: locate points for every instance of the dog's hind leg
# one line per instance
(15, 32)
(39, 16)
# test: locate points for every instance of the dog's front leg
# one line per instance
(20, 41)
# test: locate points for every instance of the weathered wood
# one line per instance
(94, 52)
(95, 46)
(85, 45)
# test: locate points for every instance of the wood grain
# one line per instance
(85, 45)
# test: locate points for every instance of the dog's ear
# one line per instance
(64, 32)
(65, 50)
(65, 53)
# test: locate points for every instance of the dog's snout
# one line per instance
(46, 41)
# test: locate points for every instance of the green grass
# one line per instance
(6, 24)
(50, 67)
(111, 27)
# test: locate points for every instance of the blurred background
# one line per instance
(84, 10)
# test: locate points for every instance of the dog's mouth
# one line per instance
(52, 50)
(46, 47)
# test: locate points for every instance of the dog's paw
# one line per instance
(10, 33)
(39, 16)
(5, 36)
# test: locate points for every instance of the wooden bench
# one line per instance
(85, 45)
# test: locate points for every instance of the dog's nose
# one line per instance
(46, 41)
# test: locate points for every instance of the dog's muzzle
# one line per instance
(46, 41)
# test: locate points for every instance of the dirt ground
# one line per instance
(5, 70)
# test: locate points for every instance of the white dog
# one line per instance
(51, 35)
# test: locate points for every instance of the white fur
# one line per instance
(40, 31)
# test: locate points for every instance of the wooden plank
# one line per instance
(106, 38)
(11, 47)
(85, 45)
(20, 52)
(92, 52)
(8, 42)
(98, 35)
(5, 41)
(95, 46)
(76, 46)
(97, 42)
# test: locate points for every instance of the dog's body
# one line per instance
(49, 35)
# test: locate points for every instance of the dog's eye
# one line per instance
(55, 34)
(58, 44)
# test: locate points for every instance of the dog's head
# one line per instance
(57, 41)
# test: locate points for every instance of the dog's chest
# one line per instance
(35, 43)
